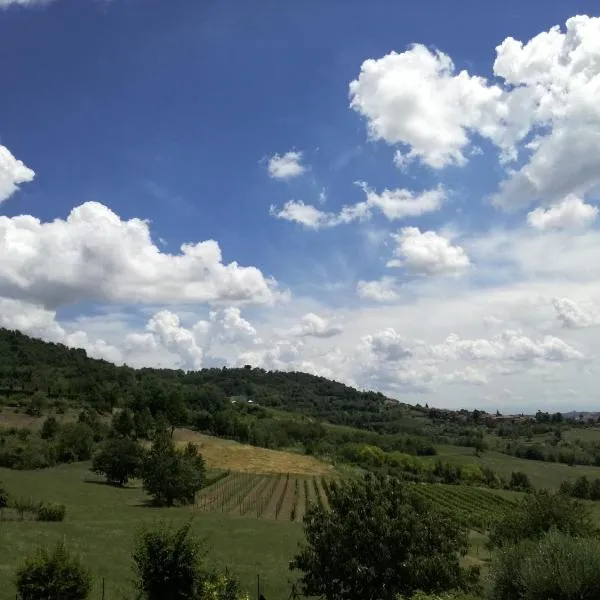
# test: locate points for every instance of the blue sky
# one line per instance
(172, 112)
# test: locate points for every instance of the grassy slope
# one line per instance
(227, 454)
(102, 522)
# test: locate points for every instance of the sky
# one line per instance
(402, 196)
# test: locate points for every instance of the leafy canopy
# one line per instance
(378, 540)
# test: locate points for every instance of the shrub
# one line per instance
(556, 566)
(50, 428)
(53, 576)
(538, 513)
(51, 512)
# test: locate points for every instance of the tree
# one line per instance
(171, 476)
(378, 540)
(168, 564)
(3, 497)
(50, 428)
(538, 513)
(143, 423)
(75, 442)
(53, 576)
(123, 424)
(519, 482)
(119, 459)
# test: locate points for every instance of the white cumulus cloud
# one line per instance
(416, 98)
(12, 173)
(286, 166)
(380, 290)
(312, 325)
(94, 255)
(570, 213)
(428, 253)
(394, 204)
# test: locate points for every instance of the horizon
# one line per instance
(372, 197)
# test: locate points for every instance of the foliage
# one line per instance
(118, 459)
(556, 566)
(519, 482)
(379, 540)
(50, 428)
(53, 576)
(3, 497)
(168, 564)
(75, 442)
(123, 424)
(171, 476)
(51, 512)
(538, 513)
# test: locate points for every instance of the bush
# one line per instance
(55, 576)
(538, 513)
(51, 512)
(519, 482)
(556, 566)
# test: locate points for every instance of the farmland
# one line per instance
(281, 497)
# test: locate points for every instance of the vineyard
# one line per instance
(286, 497)
(474, 507)
(281, 496)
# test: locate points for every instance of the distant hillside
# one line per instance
(29, 366)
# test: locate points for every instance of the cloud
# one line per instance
(312, 325)
(12, 172)
(556, 77)
(542, 114)
(574, 316)
(94, 255)
(414, 98)
(427, 253)
(393, 204)
(7, 3)
(287, 166)
(380, 290)
(571, 213)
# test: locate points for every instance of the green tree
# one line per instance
(75, 442)
(538, 513)
(53, 576)
(119, 460)
(3, 497)
(519, 482)
(379, 540)
(168, 564)
(169, 475)
(123, 424)
(143, 423)
(50, 428)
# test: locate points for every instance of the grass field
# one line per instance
(542, 474)
(102, 522)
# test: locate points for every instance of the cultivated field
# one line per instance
(281, 497)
